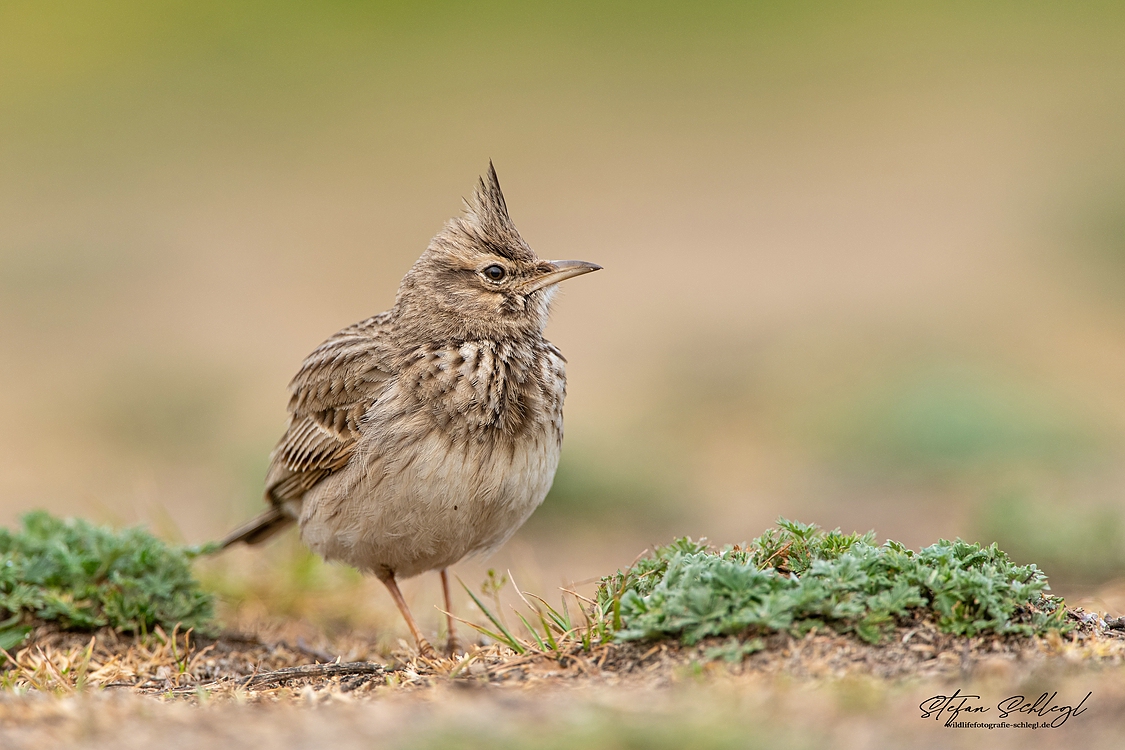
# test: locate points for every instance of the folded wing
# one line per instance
(335, 387)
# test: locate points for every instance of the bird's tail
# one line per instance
(259, 529)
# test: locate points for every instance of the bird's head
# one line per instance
(478, 279)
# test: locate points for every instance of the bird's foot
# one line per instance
(453, 646)
(425, 650)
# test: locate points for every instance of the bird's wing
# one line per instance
(333, 390)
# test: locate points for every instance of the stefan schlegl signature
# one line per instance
(1046, 707)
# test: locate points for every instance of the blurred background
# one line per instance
(865, 262)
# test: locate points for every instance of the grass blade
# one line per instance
(547, 632)
(508, 639)
(538, 641)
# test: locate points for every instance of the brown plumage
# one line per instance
(431, 431)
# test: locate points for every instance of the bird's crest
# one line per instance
(486, 217)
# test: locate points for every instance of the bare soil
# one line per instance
(184, 666)
(106, 689)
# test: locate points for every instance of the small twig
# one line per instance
(50, 666)
(308, 671)
(520, 593)
(637, 559)
(198, 655)
(514, 664)
(248, 680)
(460, 665)
(576, 595)
(784, 548)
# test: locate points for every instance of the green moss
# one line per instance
(84, 576)
(797, 577)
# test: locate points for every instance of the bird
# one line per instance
(431, 431)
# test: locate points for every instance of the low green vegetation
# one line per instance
(84, 577)
(793, 578)
(796, 577)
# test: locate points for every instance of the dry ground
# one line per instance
(107, 690)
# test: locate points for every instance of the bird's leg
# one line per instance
(452, 646)
(424, 647)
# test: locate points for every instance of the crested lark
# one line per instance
(431, 431)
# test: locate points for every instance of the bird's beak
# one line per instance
(560, 270)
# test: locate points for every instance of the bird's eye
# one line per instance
(495, 272)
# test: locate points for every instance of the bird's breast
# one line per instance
(487, 390)
(453, 458)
